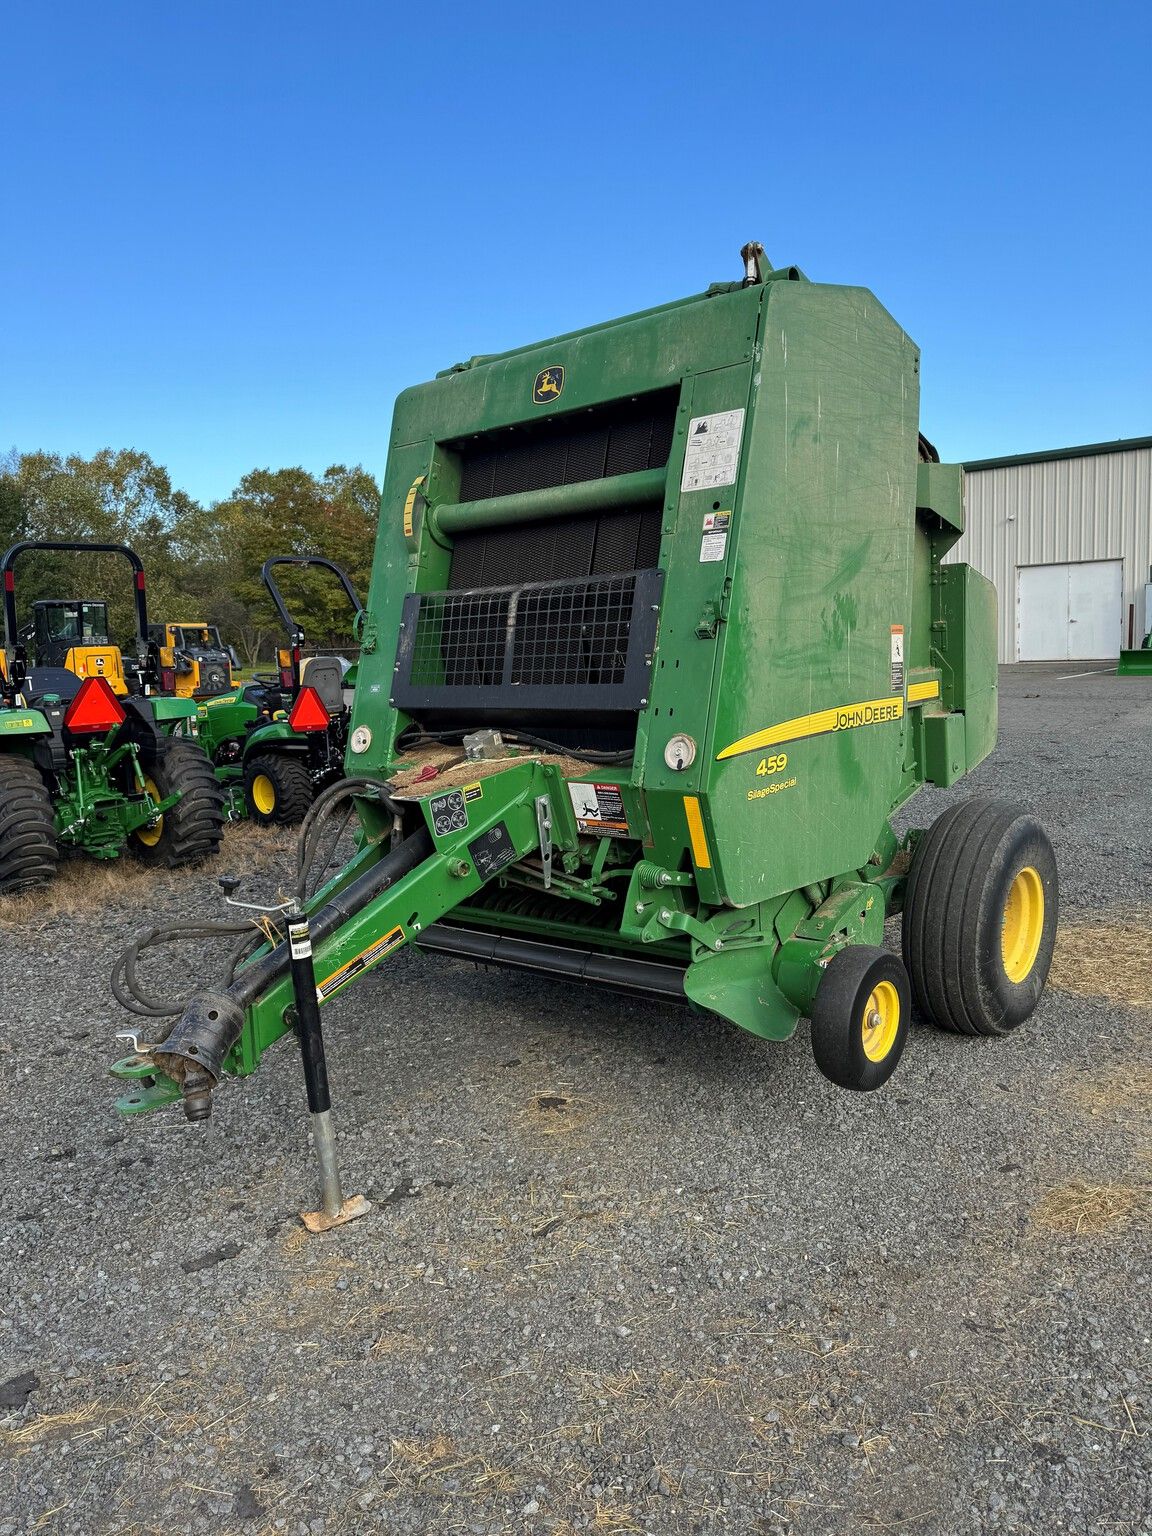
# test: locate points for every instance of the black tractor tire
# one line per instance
(980, 915)
(191, 831)
(860, 1017)
(278, 789)
(28, 848)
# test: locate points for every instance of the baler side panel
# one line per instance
(822, 572)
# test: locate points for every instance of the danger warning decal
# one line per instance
(599, 809)
(360, 963)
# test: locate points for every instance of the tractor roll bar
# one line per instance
(294, 630)
(82, 546)
(7, 575)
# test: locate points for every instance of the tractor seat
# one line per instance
(325, 674)
(59, 680)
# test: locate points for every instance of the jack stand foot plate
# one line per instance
(354, 1207)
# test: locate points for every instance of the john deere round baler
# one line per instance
(659, 638)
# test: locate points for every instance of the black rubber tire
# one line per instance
(193, 828)
(954, 914)
(292, 783)
(28, 848)
(840, 1015)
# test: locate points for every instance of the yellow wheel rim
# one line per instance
(1023, 925)
(150, 836)
(881, 1021)
(263, 794)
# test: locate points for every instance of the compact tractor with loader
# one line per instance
(277, 742)
(90, 758)
(194, 661)
(659, 638)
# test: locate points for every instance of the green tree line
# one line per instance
(202, 562)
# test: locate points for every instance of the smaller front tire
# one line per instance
(277, 789)
(860, 1017)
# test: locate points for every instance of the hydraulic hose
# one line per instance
(194, 1051)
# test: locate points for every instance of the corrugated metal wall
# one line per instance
(1098, 507)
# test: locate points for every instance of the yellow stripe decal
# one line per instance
(917, 692)
(409, 505)
(696, 832)
(842, 717)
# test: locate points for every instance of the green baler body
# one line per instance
(800, 627)
(784, 646)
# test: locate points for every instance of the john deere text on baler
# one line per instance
(90, 759)
(678, 581)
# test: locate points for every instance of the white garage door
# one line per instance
(1069, 612)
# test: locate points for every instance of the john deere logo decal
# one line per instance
(548, 385)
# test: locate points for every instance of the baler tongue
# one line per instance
(379, 904)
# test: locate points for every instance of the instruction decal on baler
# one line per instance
(599, 809)
(360, 963)
(493, 851)
(842, 717)
(712, 456)
(714, 538)
(448, 812)
(896, 682)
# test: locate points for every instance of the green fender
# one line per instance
(23, 722)
(165, 708)
(276, 737)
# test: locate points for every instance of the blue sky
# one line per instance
(231, 233)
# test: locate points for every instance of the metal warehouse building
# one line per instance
(1067, 538)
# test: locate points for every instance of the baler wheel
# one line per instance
(28, 847)
(860, 1017)
(190, 830)
(980, 917)
(278, 789)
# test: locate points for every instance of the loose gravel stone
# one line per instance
(627, 1268)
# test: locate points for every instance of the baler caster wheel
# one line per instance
(980, 917)
(860, 1017)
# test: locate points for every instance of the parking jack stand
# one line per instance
(334, 1210)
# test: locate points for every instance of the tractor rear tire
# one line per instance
(278, 789)
(192, 829)
(860, 1017)
(28, 848)
(980, 915)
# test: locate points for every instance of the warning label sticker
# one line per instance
(448, 812)
(897, 658)
(714, 540)
(360, 963)
(713, 453)
(599, 808)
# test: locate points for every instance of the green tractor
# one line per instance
(91, 758)
(276, 742)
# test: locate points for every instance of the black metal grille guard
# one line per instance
(542, 645)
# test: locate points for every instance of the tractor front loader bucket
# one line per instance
(1136, 663)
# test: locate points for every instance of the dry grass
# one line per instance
(1112, 960)
(1125, 1090)
(553, 1112)
(1080, 1209)
(85, 886)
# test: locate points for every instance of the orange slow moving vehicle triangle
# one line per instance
(308, 712)
(95, 707)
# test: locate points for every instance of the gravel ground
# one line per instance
(628, 1270)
